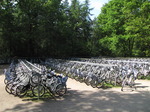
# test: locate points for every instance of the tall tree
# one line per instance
(137, 26)
(7, 27)
(32, 28)
(120, 28)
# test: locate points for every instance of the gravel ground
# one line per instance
(82, 98)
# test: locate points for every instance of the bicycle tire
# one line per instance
(61, 90)
(13, 90)
(124, 82)
(87, 80)
(5, 81)
(132, 83)
(38, 88)
(8, 88)
(93, 84)
(21, 91)
(35, 79)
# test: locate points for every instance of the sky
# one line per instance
(96, 4)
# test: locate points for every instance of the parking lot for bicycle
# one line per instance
(83, 98)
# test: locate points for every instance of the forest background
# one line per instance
(56, 28)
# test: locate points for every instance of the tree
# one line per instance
(44, 28)
(80, 25)
(7, 27)
(137, 26)
(123, 28)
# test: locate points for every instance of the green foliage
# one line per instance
(55, 28)
(44, 28)
(124, 27)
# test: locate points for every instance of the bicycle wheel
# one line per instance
(100, 83)
(38, 90)
(61, 90)
(93, 84)
(81, 80)
(124, 83)
(13, 89)
(87, 80)
(35, 79)
(8, 88)
(21, 91)
(5, 81)
(131, 81)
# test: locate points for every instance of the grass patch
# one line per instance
(144, 77)
(107, 85)
(31, 97)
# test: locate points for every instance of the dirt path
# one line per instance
(82, 98)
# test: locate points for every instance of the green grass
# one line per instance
(109, 85)
(144, 78)
(30, 97)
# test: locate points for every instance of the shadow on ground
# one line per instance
(87, 101)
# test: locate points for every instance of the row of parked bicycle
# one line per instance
(97, 72)
(111, 59)
(32, 60)
(23, 77)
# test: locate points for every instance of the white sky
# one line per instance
(96, 4)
